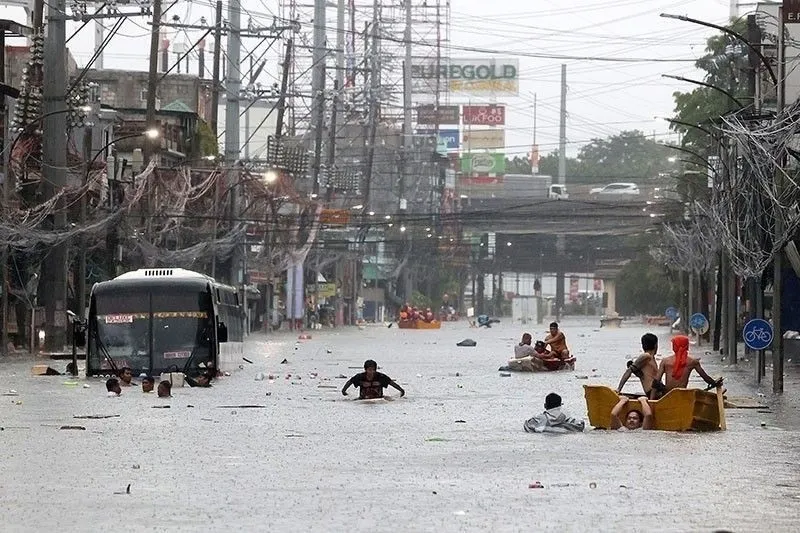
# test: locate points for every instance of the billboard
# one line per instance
(484, 115)
(481, 76)
(483, 139)
(449, 139)
(446, 114)
(489, 163)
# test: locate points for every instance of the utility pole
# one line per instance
(561, 244)
(152, 81)
(287, 66)
(331, 164)
(777, 284)
(54, 156)
(215, 74)
(232, 87)
(562, 129)
(374, 84)
(318, 55)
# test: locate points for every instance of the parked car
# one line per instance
(558, 192)
(616, 188)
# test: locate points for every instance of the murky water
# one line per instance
(313, 460)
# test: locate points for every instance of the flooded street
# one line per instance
(450, 456)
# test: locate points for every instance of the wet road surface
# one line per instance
(313, 460)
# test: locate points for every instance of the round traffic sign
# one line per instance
(699, 323)
(757, 334)
(671, 313)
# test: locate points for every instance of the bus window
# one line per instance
(182, 329)
(122, 330)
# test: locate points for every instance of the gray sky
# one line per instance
(603, 98)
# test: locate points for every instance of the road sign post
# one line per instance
(699, 325)
(758, 335)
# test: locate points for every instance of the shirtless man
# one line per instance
(677, 368)
(557, 342)
(645, 368)
(634, 419)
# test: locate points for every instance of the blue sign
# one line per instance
(699, 323)
(757, 334)
(451, 139)
(671, 313)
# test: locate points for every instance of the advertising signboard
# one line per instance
(447, 114)
(484, 115)
(477, 76)
(483, 139)
(573, 288)
(791, 11)
(448, 138)
(489, 163)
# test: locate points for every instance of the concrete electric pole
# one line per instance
(232, 88)
(54, 173)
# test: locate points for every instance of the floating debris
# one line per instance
(96, 417)
(126, 491)
(81, 428)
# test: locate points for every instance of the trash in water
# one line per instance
(11, 392)
(419, 375)
(505, 374)
(592, 485)
(85, 385)
(260, 376)
(96, 417)
(763, 424)
(435, 439)
(136, 467)
(461, 421)
(468, 343)
(535, 485)
(458, 374)
(247, 360)
(581, 377)
(341, 376)
(161, 407)
(73, 427)
(127, 490)
(284, 362)
(459, 513)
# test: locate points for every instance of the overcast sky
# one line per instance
(603, 97)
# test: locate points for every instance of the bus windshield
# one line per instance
(153, 329)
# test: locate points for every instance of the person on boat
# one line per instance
(677, 368)
(553, 419)
(404, 312)
(645, 368)
(371, 383)
(428, 315)
(557, 342)
(635, 418)
(540, 348)
(525, 356)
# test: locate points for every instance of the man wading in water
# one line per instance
(371, 382)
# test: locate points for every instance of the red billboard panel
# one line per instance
(484, 115)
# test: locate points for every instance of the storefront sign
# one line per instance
(483, 76)
(483, 139)
(489, 163)
(484, 115)
(447, 114)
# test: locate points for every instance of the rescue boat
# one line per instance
(678, 410)
(419, 324)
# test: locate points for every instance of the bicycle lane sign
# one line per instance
(757, 334)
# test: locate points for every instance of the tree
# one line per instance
(727, 67)
(643, 287)
(629, 155)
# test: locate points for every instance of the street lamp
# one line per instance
(704, 84)
(271, 176)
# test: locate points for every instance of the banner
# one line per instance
(482, 76)
(483, 139)
(490, 163)
(535, 159)
(484, 115)
(573, 288)
(447, 114)
(326, 290)
(449, 139)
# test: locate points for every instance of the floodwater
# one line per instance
(450, 456)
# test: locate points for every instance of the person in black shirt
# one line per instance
(371, 382)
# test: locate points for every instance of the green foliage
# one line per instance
(518, 165)
(419, 300)
(206, 139)
(726, 65)
(628, 156)
(645, 287)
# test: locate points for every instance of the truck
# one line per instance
(513, 187)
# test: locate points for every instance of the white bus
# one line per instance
(158, 320)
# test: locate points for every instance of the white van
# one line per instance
(558, 192)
